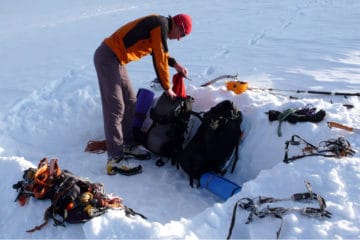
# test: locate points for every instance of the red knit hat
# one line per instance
(184, 22)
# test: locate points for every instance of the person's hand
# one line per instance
(180, 69)
(171, 94)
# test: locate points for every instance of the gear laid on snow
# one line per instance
(215, 144)
(293, 115)
(235, 77)
(219, 185)
(73, 199)
(166, 135)
(339, 147)
(237, 87)
(345, 94)
(341, 126)
(253, 206)
(144, 101)
(95, 146)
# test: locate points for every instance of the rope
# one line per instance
(96, 146)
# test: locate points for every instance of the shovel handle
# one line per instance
(338, 125)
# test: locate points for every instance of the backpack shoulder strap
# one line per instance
(236, 155)
(198, 115)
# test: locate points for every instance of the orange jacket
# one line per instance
(143, 36)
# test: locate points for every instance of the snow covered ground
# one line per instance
(50, 107)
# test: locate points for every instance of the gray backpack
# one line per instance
(170, 119)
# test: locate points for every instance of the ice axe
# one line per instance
(219, 78)
(341, 126)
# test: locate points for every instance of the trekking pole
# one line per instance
(236, 85)
(339, 125)
(307, 91)
(239, 87)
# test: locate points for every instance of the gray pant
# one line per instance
(118, 101)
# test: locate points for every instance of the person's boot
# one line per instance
(118, 166)
(111, 163)
(136, 152)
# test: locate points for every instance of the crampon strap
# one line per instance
(330, 148)
(253, 206)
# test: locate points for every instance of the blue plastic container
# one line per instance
(218, 185)
(144, 101)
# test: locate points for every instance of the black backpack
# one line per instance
(214, 142)
(170, 119)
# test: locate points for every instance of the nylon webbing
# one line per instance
(282, 116)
